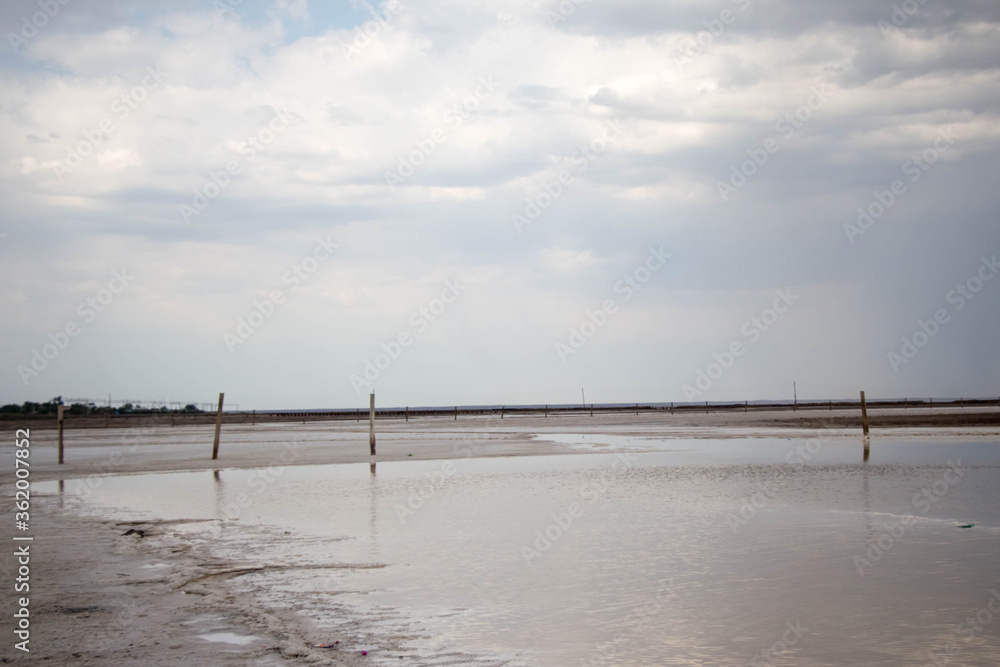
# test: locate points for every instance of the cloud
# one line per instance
(215, 128)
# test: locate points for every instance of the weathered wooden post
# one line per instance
(456, 413)
(746, 406)
(501, 410)
(59, 420)
(864, 414)
(407, 413)
(371, 423)
(546, 411)
(671, 407)
(218, 427)
(864, 425)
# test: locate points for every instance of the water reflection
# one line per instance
(220, 494)
(458, 554)
(373, 553)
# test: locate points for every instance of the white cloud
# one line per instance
(225, 81)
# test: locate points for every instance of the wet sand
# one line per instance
(100, 597)
(163, 448)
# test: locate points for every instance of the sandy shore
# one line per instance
(154, 448)
(156, 597)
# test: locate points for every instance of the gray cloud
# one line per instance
(351, 122)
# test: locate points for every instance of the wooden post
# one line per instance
(501, 410)
(218, 427)
(59, 419)
(706, 407)
(636, 409)
(546, 411)
(591, 409)
(864, 414)
(746, 407)
(671, 407)
(831, 406)
(253, 418)
(371, 423)
(407, 413)
(795, 398)
(456, 413)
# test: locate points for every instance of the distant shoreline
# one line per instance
(811, 414)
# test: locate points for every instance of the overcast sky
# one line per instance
(506, 200)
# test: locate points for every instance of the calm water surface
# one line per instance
(639, 552)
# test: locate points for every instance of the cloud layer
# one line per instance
(532, 151)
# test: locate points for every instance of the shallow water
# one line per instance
(686, 552)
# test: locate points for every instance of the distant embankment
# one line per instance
(904, 413)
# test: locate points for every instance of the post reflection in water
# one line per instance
(220, 493)
(866, 499)
(373, 514)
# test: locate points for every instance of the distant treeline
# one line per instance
(52, 405)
